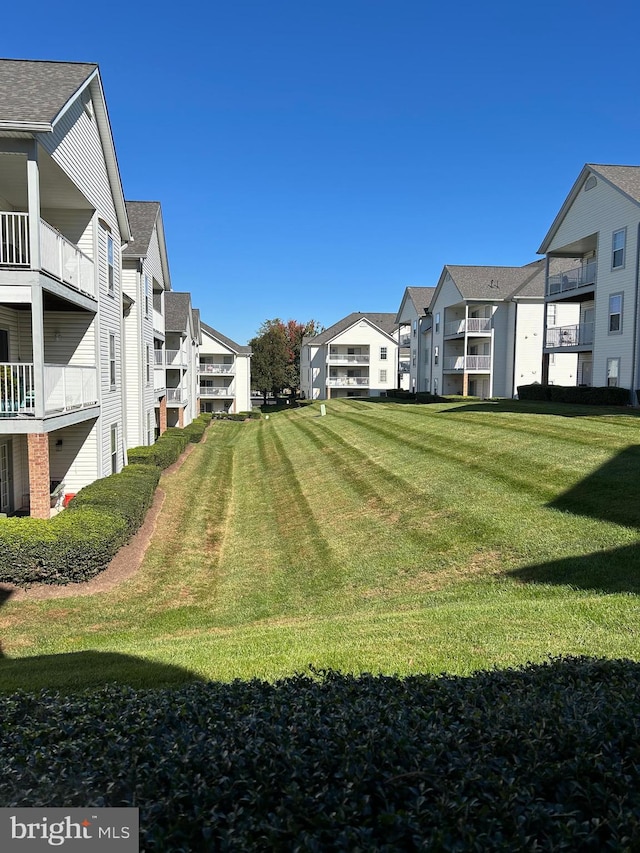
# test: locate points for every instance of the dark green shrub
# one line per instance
(542, 758)
(577, 394)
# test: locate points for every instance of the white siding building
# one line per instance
(63, 223)
(224, 373)
(182, 342)
(591, 293)
(410, 320)
(356, 357)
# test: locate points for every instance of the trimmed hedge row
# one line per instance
(598, 396)
(79, 543)
(546, 757)
(170, 445)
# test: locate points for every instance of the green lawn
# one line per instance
(382, 537)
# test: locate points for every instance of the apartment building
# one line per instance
(181, 356)
(486, 331)
(413, 308)
(356, 357)
(63, 223)
(224, 373)
(145, 279)
(591, 289)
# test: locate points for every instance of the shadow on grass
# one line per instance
(75, 671)
(531, 407)
(612, 494)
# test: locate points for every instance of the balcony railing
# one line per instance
(345, 358)
(216, 368)
(467, 362)
(345, 381)
(175, 395)
(66, 388)
(58, 256)
(471, 324)
(174, 358)
(578, 335)
(211, 391)
(572, 279)
(158, 357)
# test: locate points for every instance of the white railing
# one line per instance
(348, 359)
(467, 362)
(174, 395)
(69, 386)
(65, 261)
(16, 389)
(216, 367)
(209, 391)
(340, 381)
(471, 324)
(159, 379)
(158, 357)
(174, 358)
(14, 239)
(572, 279)
(158, 321)
(578, 335)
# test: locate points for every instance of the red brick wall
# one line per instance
(38, 451)
(163, 415)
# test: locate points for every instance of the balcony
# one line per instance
(584, 276)
(58, 256)
(174, 358)
(473, 325)
(405, 340)
(578, 335)
(346, 358)
(176, 396)
(66, 388)
(347, 381)
(210, 391)
(217, 368)
(468, 363)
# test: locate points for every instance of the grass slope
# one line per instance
(383, 538)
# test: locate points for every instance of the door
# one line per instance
(6, 477)
(585, 373)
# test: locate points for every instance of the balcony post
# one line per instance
(33, 203)
(163, 414)
(37, 333)
(39, 485)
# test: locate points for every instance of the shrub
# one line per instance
(587, 396)
(543, 757)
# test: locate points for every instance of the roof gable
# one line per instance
(383, 322)
(419, 298)
(224, 340)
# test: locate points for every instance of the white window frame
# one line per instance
(436, 354)
(383, 375)
(437, 322)
(114, 448)
(148, 364)
(613, 372)
(146, 296)
(552, 314)
(112, 361)
(620, 250)
(110, 266)
(383, 353)
(613, 314)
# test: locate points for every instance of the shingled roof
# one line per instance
(494, 284)
(142, 218)
(34, 92)
(177, 311)
(385, 322)
(223, 339)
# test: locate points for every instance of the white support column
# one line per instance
(33, 203)
(37, 332)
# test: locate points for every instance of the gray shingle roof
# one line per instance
(35, 91)
(142, 218)
(177, 308)
(626, 178)
(491, 283)
(384, 322)
(232, 345)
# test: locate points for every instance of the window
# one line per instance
(148, 363)
(415, 328)
(110, 270)
(615, 313)
(112, 360)
(383, 353)
(613, 372)
(551, 314)
(383, 376)
(436, 354)
(437, 329)
(146, 295)
(617, 253)
(4, 345)
(149, 428)
(413, 357)
(114, 448)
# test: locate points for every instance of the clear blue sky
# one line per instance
(315, 158)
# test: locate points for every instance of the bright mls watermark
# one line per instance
(35, 829)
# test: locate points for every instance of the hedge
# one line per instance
(546, 757)
(585, 395)
(79, 543)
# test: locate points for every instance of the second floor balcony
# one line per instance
(577, 335)
(346, 357)
(216, 368)
(347, 381)
(467, 363)
(67, 387)
(216, 391)
(58, 256)
(472, 325)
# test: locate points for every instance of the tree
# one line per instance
(275, 363)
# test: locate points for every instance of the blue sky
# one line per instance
(315, 158)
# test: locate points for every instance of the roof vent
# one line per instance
(590, 183)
